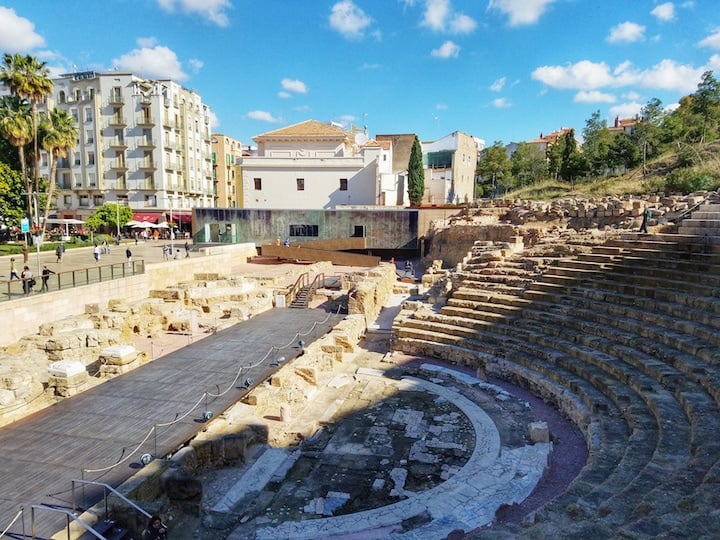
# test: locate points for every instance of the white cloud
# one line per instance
(627, 32)
(157, 62)
(498, 85)
(17, 34)
(214, 11)
(500, 103)
(712, 41)
(195, 64)
(146, 42)
(521, 12)
(349, 19)
(294, 85)
(446, 50)
(440, 17)
(586, 75)
(214, 120)
(593, 96)
(284, 95)
(632, 96)
(625, 110)
(664, 12)
(263, 116)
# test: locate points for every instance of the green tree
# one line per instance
(29, 79)
(58, 134)
(706, 103)
(648, 131)
(16, 129)
(493, 166)
(12, 207)
(623, 153)
(597, 140)
(416, 174)
(528, 165)
(107, 215)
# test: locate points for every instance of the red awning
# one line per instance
(146, 216)
(183, 218)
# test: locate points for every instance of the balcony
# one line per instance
(168, 122)
(148, 185)
(146, 165)
(146, 142)
(63, 163)
(117, 120)
(146, 120)
(170, 165)
(116, 99)
(117, 164)
(116, 143)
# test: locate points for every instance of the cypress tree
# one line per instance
(416, 174)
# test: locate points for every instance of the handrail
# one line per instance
(20, 512)
(69, 516)
(75, 278)
(300, 282)
(110, 488)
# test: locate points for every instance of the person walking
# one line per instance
(187, 249)
(96, 253)
(647, 214)
(27, 279)
(128, 256)
(59, 253)
(45, 276)
(13, 271)
(155, 530)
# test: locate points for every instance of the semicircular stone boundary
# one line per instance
(492, 476)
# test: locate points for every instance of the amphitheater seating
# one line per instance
(625, 339)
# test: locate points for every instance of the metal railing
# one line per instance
(13, 290)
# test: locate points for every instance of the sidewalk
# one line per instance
(81, 258)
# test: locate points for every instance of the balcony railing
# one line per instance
(146, 120)
(146, 164)
(116, 99)
(116, 120)
(116, 142)
(117, 164)
(146, 142)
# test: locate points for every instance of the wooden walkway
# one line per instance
(106, 425)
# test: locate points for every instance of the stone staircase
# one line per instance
(625, 340)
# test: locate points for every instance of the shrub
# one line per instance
(690, 180)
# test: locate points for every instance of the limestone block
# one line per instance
(307, 374)
(66, 368)
(539, 432)
(335, 351)
(118, 354)
(68, 324)
(7, 398)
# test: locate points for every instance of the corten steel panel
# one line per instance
(382, 229)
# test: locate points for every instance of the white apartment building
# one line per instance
(140, 143)
(314, 165)
(450, 165)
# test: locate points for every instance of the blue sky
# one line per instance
(496, 69)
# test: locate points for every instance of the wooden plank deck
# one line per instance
(105, 425)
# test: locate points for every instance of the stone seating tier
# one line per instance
(630, 329)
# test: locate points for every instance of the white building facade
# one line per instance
(450, 165)
(141, 143)
(314, 165)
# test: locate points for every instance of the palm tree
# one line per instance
(29, 79)
(59, 133)
(16, 128)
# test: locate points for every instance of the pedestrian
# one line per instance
(177, 254)
(25, 252)
(104, 248)
(277, 241)
(136, 238)
(27, 279)
(187, 249)
(165, 252)
(647, 214)
(59, 253)
(128, 256)
(45, 275)
(155, 530)
(286, 243)
(13, 272)
(96, 253)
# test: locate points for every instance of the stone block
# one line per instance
(539, 432)
(92, 309)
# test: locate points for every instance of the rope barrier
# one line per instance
(206, 394)
(17, 516)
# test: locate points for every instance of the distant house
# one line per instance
(544, 142)
(315, 165)
(450, 165)
(624, 125)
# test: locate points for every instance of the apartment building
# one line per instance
(316, 165)
(450, 164)
(226, 154)
(141, 143)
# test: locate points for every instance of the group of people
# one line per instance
(27, 278)
(168, 254)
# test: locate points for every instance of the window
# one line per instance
(89, 136)
(67, 200)
(149, 200)
(300, 184)
(258, 184)
(88, 114)
(91, 180)
(343, 184)
(97, 200)
(78, 181)
(84, 200)
(304, 230)
(76, 159)
(91, 158)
